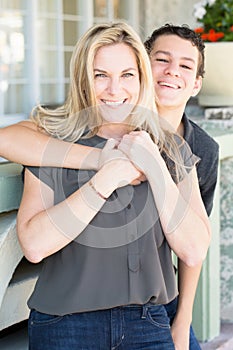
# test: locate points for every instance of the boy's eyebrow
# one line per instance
(169, 54)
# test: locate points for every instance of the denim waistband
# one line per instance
(140, 305)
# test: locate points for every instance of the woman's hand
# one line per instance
(140, 149)
(110, 152)
(115, 174)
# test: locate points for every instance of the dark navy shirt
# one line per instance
(207, 149)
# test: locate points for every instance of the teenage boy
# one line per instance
(177, 61)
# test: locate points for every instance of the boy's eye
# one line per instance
(161, 59)
(186, 67)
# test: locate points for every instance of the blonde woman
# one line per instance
(105, 237)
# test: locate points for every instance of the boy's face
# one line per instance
(174, 64)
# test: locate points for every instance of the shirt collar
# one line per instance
(188, 130)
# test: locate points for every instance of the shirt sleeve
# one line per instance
(209, 181)
(44, 174)
(189, 158)
(185, 159)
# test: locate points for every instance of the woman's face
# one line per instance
(116, 81)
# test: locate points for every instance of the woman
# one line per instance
(105, 243)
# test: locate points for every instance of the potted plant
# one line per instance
(216, 29)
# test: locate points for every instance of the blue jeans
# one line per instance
(171, 311)
(122, 328)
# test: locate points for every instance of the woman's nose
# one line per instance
(114, 86)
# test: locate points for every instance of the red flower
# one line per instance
(231, 29)
(212, 35)
(199, 30)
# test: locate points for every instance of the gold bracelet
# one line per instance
(97, 192)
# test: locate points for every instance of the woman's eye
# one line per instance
(100, 75)
(128, 75)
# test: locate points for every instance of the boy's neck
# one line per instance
(180, 129)
(171, 118)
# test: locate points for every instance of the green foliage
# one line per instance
(216, 16)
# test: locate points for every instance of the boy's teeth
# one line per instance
(170, 85)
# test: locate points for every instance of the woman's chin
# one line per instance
(116, 115)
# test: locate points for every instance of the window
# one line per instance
(108, 10)
(12, 57)
(37, 38)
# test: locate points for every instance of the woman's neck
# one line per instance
(114, 130)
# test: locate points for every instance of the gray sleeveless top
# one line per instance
(121, 258)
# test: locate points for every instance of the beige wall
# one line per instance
(154, 13)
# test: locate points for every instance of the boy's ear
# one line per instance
(197, 85)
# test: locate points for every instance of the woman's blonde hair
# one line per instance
(79, 114)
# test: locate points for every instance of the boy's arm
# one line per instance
(24, 143)
(187, 280)
(189, 276)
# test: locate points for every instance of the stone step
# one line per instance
(14, 307)
(16, 338)
(11, 186)
(10, 251)
(222, 342)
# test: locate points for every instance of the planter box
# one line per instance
(217, 89)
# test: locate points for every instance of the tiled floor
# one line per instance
(224, 341)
